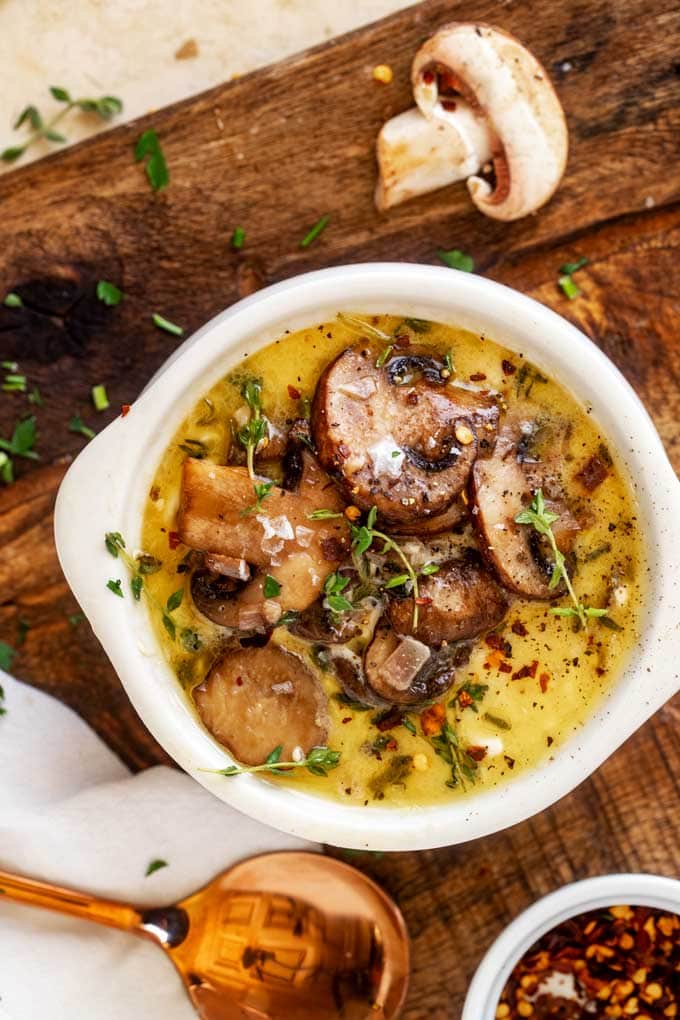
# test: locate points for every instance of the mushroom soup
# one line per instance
(395, 555)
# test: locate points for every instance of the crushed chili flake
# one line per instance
(504, 667)
(423, 600)
(388, 720)
(494, 641)
(477, 376)
(294, 393)
(519, 628)
(173, 539)
(526, 671)
(508, 367)
(544, 680)
(592, 474)
(125, 409)
(348, 718)
(617, 962)
(403, 340)
(432, 719)
(465, 699)
(154, 493)
(476, 752)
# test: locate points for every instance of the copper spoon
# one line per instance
(282, 936)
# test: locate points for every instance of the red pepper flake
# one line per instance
(510, 762)
(423, 600)
(348, 718)
(476, 752)
(125, 409)
(239, 681)
(428, 77)
(449, 105)
(494, 641)
(592, 474)
(477, 376)
(391, 745)
(173, 539)
(465, 699)
(432, 719)
(526, 671)
(600, 671)
(294, 393)
(508, 367)
(543, 680)
(388, 720)
(519, 628)
(154, 493)
(549, 741)
(504, 667)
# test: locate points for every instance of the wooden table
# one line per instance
(274, 151)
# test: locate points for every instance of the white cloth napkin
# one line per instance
(71, 813)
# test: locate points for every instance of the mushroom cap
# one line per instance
(498, 77)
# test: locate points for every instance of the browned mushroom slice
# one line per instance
(398, 435)
(502, 486)
(255, 699)
(452, 518)
(404, 671)
(460, 601)
(216, 516)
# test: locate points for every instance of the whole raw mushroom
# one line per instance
(484, 105)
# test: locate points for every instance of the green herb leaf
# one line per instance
(23, 439)
(113, 540)
(409, 725)
(569, 288)
(175, 600)
(54, 136)
(7, 654)
(109, 293)
(448, 361)
(261, 490)
(383, 356)
(169, 625)
(497, 721)
(429, 568)
(572, 267)
(6, 469)
(418, 325)
(323, 515)
(115, 587)
(75, 619)
(99, 397)
(13, 153)
(148, 564)
(319, 762)
(106, 107)
(148, 147)
(290, 616)
(35, 397)
(136, 584)
(271, 588)
(397, 581)
(155, 865)
(457, 259)
(77, 424)
(338, 604)
(31, 116)
(165, 324)
(13, 300)
(238, 238)
(60, 94)
(318, 227)
(607, 621)
(14, 383)
(190, 640)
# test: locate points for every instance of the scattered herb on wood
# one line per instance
(565, 281)
(148, 147)
(105, 107)
(319, 761)
(100, 398)
(3, 710)
(7, 654)
(155, 865)
(165, 324)
(541, 520)
(77, 425)
(21, 444)
(238, 238)
(139, 567)
(13, 300)
(317, 229)
(108, 293)
(457, 259)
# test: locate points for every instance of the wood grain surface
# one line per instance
(273, 152)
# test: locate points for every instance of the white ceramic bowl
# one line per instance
(518, 937)
(106, 488)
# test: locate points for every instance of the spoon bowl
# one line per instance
(281, 936)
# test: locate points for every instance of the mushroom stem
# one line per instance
(417, 155)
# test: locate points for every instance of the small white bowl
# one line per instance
(108, 484)
(591, 894)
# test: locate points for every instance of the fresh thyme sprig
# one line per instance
(262, 490)
(319, 761)
(139, 567)
(105, 107)
(253, 432)
(541, 520)
(447, 745)
(363, 537)
(334, 600)
(21, 444)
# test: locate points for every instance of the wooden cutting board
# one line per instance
(272, 152)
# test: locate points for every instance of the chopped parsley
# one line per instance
(317, 229)
(7, 654)
(77, 425)
(271, 588)
(155, 865)
(13, 300)
(100, 398)
(238, 238)
(165, 324)
(148, 147)
(457, 259)
(108, 293)
(115, 587)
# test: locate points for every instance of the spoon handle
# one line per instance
(68, 901)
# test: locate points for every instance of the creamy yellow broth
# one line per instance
(522, 721)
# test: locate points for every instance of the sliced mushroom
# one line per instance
(500, 113)
(406, 442)
(256, 699)
(452, 517)
(460, 601)
(216, 516)
(404, 671)
(502, 486)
